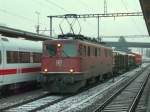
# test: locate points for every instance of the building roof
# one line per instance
(145, 5)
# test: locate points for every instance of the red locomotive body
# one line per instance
(138, 59)
(68, 64)
(60, 56)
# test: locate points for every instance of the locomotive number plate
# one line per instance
(59, 62)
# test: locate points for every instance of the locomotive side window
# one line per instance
(84, 51)
(95, 51)
(89, 51)
(37, 57)
(105, 51)
(110, 53)
(24, 57)
(69, 50)
(99, 52)
(52, 50)
(12, 56)
(80, 50)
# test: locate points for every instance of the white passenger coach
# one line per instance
(19, 61)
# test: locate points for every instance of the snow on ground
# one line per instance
(87, 98)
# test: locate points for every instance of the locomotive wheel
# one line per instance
(91, 81)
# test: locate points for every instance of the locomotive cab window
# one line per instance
(52, 50)
(69, 50)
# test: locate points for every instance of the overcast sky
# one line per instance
(21, 14)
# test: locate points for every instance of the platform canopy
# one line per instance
(145, 5)
(17, 33)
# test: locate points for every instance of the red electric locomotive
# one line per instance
(68, 64)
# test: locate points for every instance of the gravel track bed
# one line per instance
(87, 98)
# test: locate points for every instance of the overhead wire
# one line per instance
(15, 15)
(40, 3)
(84, 3)
(21, 16)
(18, 16)
(87, 6)
(45, 4)
(132, 19)
(56, 5)
(62, 8)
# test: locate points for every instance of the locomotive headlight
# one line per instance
(71, 70)
(45, 70)
(58, 45)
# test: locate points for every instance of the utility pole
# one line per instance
(38, 22)
(105, 7)
(51, 27)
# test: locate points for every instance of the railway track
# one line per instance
(49, 102)
(143, 102)
(37, 105)
(17, 100)
(88, 100)
(127, 97)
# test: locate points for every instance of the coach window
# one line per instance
(12, 56)
(37, 57)
(89, 51)
(0, 57)
(24, 57)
